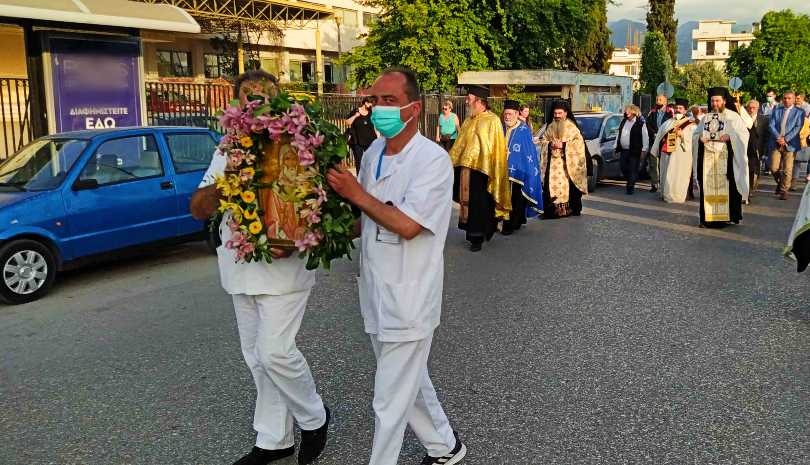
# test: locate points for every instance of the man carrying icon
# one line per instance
(673, 145)
(721, 161)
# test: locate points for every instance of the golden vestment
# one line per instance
(571, 167)
(481, 146)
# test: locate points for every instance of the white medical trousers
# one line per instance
(404, 395)
(285, 389)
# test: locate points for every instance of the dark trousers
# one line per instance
(629, 166)
(447, 144)
(357, 151)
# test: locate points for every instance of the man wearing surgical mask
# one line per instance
(770, 103)
(404, 190)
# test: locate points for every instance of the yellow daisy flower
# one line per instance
(250, 214)
(248, 173)
(248, 196)
(255, 227)
(246, 142)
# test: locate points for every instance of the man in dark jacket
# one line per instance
(659, 114)
(757, 143)
(361, 132)
(631, 142)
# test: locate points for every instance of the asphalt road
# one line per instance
(625, 336)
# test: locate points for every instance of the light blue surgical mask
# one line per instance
(386, 120)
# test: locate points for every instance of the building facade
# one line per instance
(626, 62)
(713, 41)
(292, 55)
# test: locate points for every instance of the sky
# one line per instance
(742, 11)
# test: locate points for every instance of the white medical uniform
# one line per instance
(400, 287)
(270, 300)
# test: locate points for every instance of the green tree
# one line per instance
(693, 81)
(661, 18)
(778, 58)
(562, 34)
(434, 38)
(656, 65)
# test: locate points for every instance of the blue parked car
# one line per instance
(75, 196)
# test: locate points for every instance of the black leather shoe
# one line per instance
(654, 188)
(475, 247)
(264, 456)
(313, 442)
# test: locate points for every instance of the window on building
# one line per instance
(295, 71)
(347, 17)
(328, 74)
(628, 69)
(710, 48)
(733, 45)
(173, 63)
(271, 65)
(369, 19)
(218, 66)
(307, 71)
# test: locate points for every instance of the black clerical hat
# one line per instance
(511, 105)
(718, 92)
(682, 102)
(478, 91)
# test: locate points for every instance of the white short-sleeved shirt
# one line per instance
(401, 281)
(283, 276)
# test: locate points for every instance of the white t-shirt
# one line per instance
(283, 276)
(401, 281)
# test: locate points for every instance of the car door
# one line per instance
(610, 158)
(190, 154)
(122, 197)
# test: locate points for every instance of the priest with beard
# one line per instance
(721, 161)
(481, 185)
(524, 169)
(565, 174)
(673, 143)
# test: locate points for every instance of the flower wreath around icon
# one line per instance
(274, 193)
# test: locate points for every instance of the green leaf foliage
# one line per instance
(661, 18)
(656, 65)
(693, 81)
(778, 58)
(439, 39)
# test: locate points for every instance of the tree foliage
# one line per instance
(661, 18)
(778, 58)
(561, 34)
(434, 38)
(439, 39)
(656, 65)
(693, 81)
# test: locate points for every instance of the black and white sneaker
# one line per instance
(453, 457)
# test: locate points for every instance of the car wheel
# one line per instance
(29, 270)
(594, 177)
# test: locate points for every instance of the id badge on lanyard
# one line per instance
(383, 235)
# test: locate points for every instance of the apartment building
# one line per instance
(626, 62)
(713, 41)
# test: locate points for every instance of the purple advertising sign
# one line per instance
(96, 84)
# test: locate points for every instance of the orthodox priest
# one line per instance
(524, 169)
(721, 161)
(673, 143)
(481, 185)
(565, 175)
(799, 241)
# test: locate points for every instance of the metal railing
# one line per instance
(181, 104)
(15, 115)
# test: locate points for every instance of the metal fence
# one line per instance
(171, 104)
(15, 115)
(337, 107)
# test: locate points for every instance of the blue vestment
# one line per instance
(524, 166)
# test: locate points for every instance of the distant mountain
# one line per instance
(618, 32)
(684, 39)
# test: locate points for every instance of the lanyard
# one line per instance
(379, 164)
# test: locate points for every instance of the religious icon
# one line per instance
(280, 165)
(714, 126)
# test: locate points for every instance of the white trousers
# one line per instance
(285, 389)
(404, 395)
